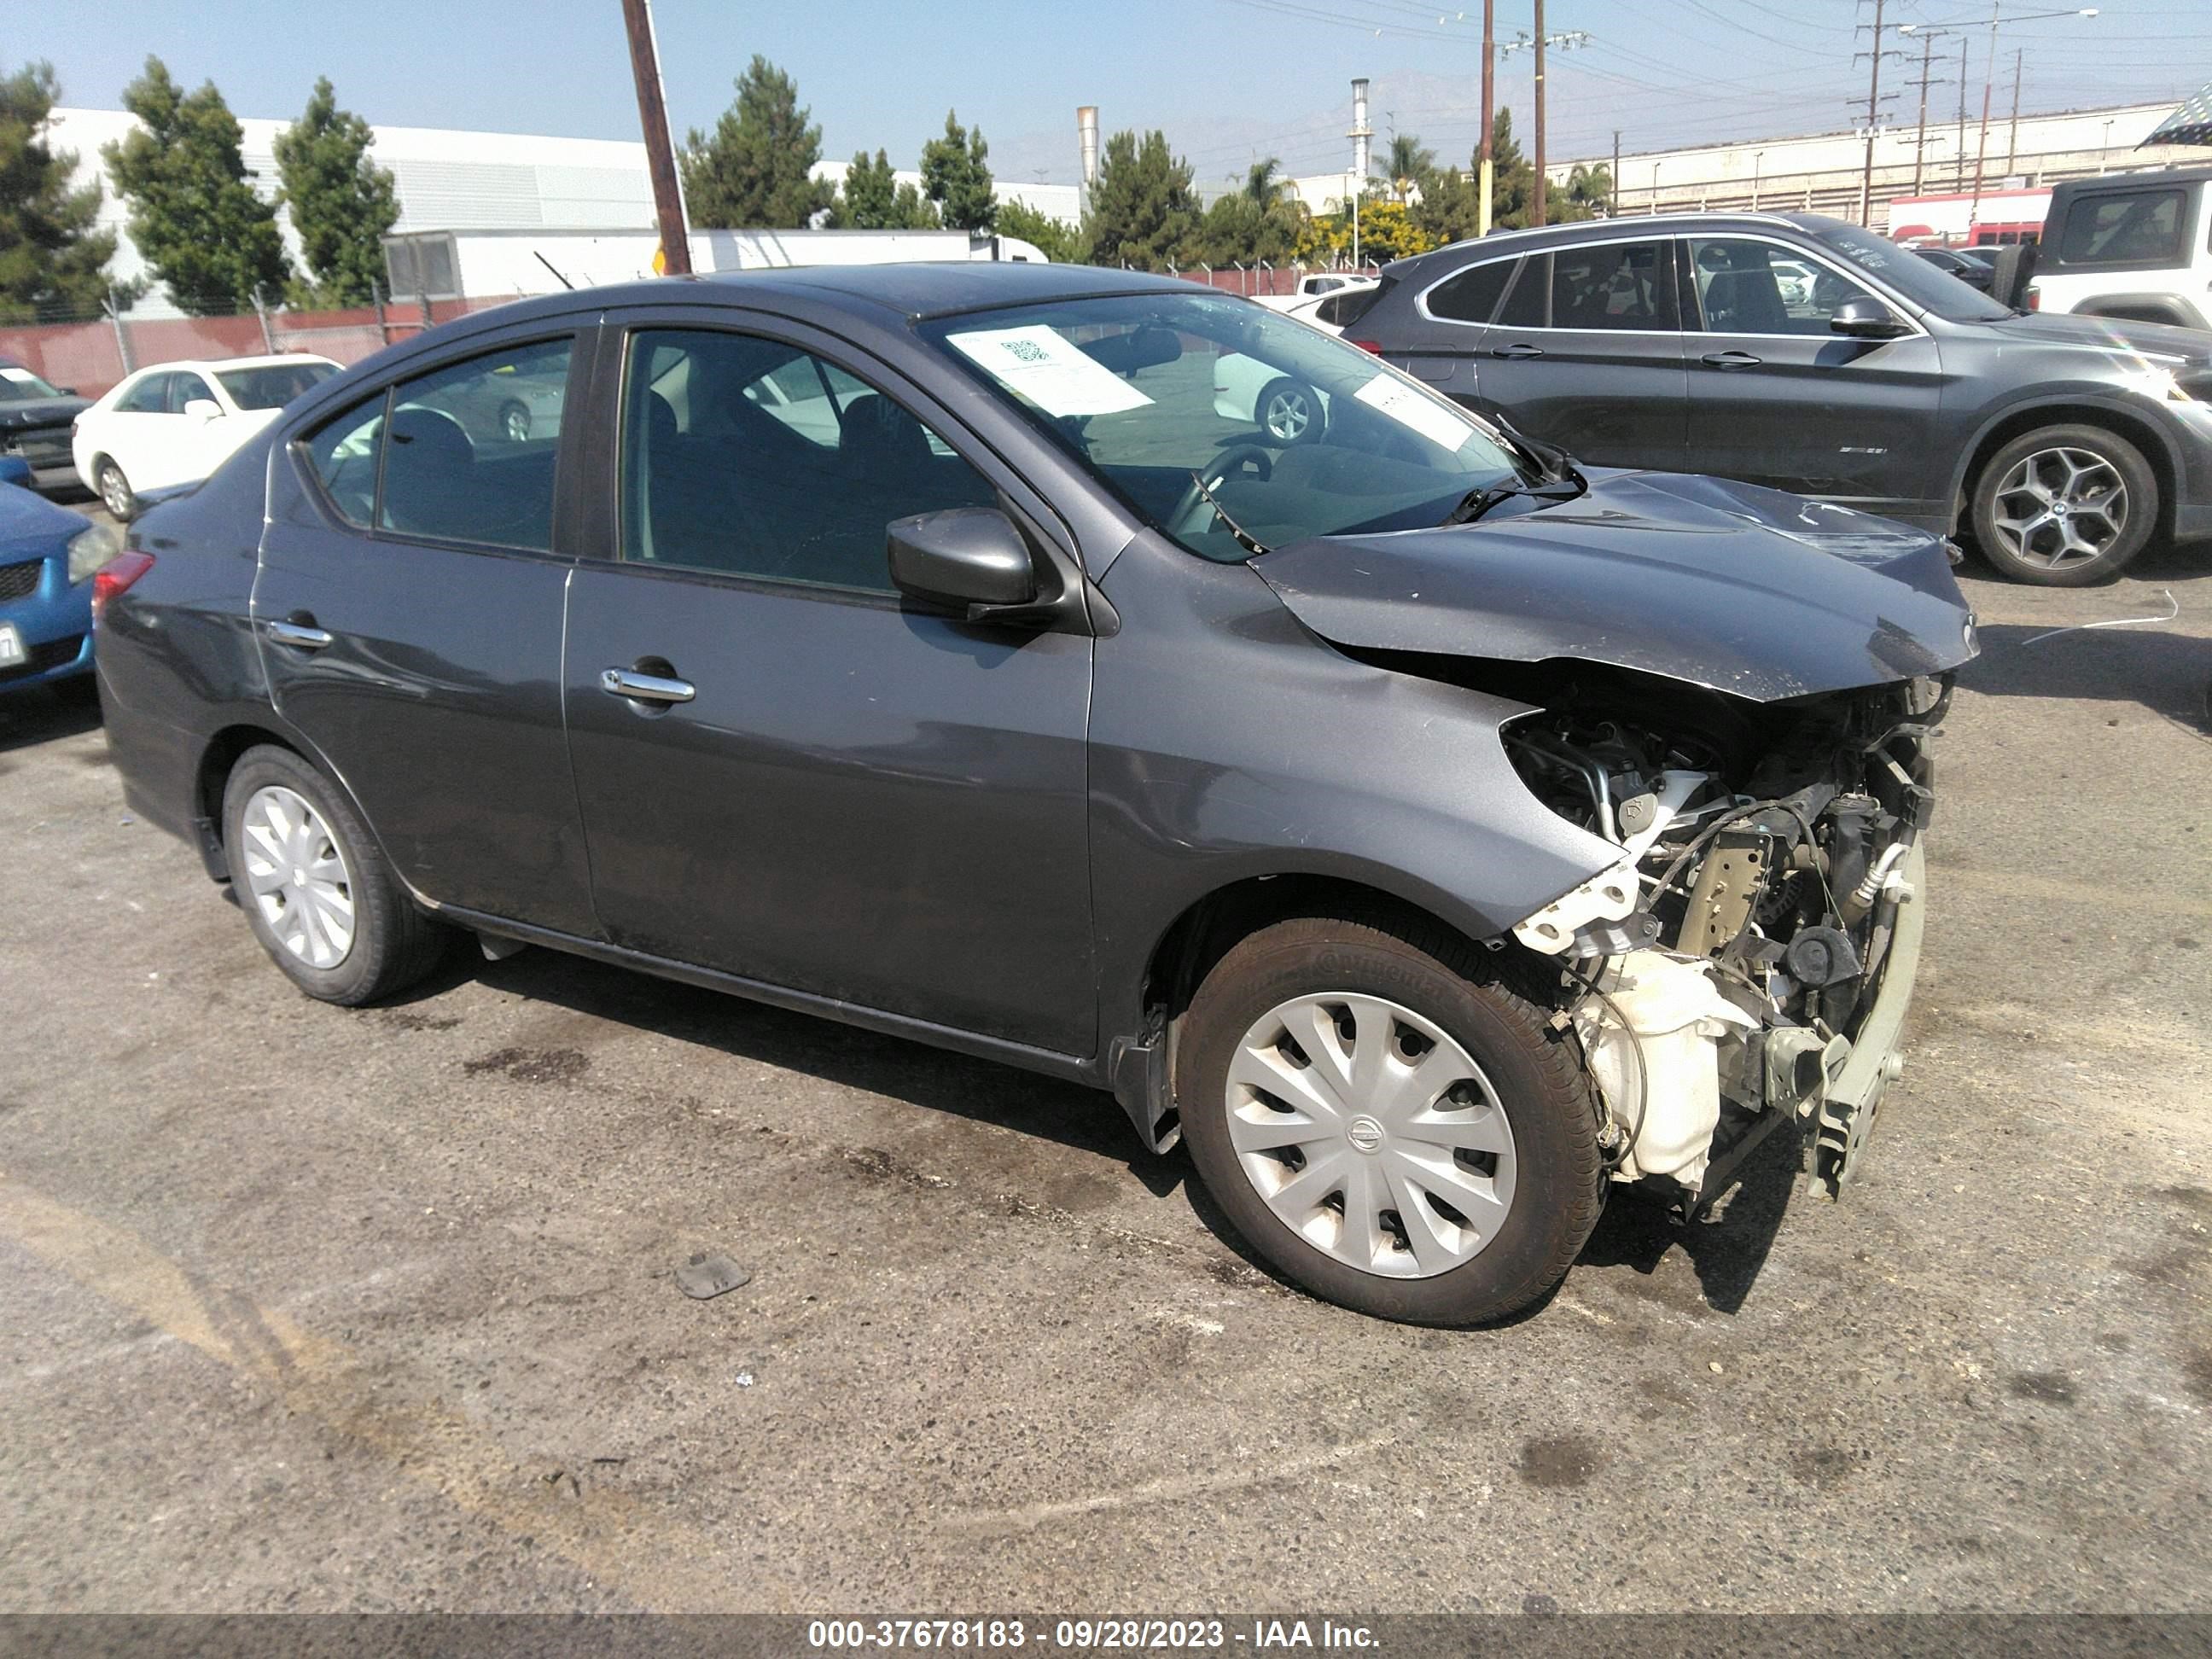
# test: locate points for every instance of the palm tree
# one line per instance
(1262, 184)
(1410, 162)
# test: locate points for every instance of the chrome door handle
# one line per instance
(299, 635)
(1517, 351)
(1731, 360)
(646, 688)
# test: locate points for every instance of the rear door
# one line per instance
(1777, 398)
(131, 431)
(1586, 353)
(409, 606)
(842, 793)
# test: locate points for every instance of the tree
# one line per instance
(1264, 183)
(1387, 232)
(53, 261)
(873, 199)
(1057, 239)
(1262, 221)
(954, 177)
(342, 202)
(755, 172)
(1143, 210)
(194, 212)
(1409, 164)
(1590, 194)
(1513, 178)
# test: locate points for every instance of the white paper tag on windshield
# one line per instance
(1415, 410)
(21, 376)
(1052, 371)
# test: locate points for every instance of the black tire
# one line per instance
(114, 491)
(1559, 1177)
(1301, 419)
(2117, 452)
(393, 944)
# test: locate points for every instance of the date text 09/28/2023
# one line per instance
(1087, 1635)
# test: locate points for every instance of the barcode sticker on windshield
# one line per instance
(1051, 371)
(1416, 411)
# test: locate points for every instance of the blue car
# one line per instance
(47, 557)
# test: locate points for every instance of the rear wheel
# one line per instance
(514, 421)
(2064, 506)
(115, 491)
(1289, 411)
(315, 886)
(1385, 1127)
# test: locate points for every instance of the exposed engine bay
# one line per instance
(1719, 976)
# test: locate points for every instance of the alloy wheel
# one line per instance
(2061, 508)
(114, 492)
(514, 419)
(1286, 416)
(1371, 1133)
(297, 874)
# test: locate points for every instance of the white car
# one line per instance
(176, 423)
(1281, 405)
(1314, 286)
(1330, 312)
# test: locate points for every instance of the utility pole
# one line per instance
(1613, 182)
(1927, 80)
(1483, 166)
(1981, 143)
(1360, 133)
(1873, 117)
(1536, 208)
(2011, 139)
(1958, 151)
(674, 258)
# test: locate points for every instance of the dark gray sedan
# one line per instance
(1428, 833)
(1797, 351)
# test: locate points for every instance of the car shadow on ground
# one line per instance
(43, 714)
(2166, 672)
(935, 1080)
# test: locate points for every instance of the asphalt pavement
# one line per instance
(315, 1309)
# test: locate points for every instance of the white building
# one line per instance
(453, 180)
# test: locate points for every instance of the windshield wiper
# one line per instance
(1476, 502)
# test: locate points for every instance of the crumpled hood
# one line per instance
(1748, 591)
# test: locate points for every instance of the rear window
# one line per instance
(2142, 227)
(1472, 296)
(272, 386)
(1342, 310)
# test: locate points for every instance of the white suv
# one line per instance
(2129, 244)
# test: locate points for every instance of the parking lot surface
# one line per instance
(311, 1308)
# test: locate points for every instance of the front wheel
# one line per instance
(1290, 412)
(1386, 1127)
(514, 421)
(2064, 506)
(314, 884)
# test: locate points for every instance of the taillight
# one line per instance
(2034, 297)
(115, 576)
(1375, 346)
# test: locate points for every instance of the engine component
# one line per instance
(1614, 939)
(1821, 957)
(1728, 882)
(1655, 1035)
(1608, 896)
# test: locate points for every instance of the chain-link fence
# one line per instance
(89, 352)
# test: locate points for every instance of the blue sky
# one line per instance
(1227, 79)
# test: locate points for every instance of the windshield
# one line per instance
(1192, 406)
(20, 385)
(272, 386)
(1929, 287)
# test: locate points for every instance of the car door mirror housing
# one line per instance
(1864, 317)
(965, 556)
(203, 408)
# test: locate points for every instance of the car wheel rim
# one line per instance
(1287, 416)
(2061, 508)
(297, 874)
(114, 493)
(518, 425)
(1371, 1133)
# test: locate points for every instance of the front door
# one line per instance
(787, 772)
(409, 606)
(1776, 397)
(1585, 353)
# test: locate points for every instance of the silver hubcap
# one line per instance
(298, 876)
(2060, 508)
(114, 492)
(1371, 1134)
(518, 425)
(1287, 416)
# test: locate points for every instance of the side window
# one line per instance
(1746, 286)
(749, 456)
(186, 387)
(1620, 285)
(1472, 296)
(150, 397)
(469, 448)
(1525, 304)
(2141, 229)
(344, 452)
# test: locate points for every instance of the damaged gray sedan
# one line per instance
(1427, 832)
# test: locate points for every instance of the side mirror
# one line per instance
(1865, 318)
(203, 408)
(14, 470)
(966, 556)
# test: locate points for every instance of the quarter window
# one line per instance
(1746, 287)
(748, 456)
(345, 454)
(2141, 229)
(1618, 285)
(1472, 296)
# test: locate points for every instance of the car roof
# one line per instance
(2133, 180)
(213, 363)
(1504, 242)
